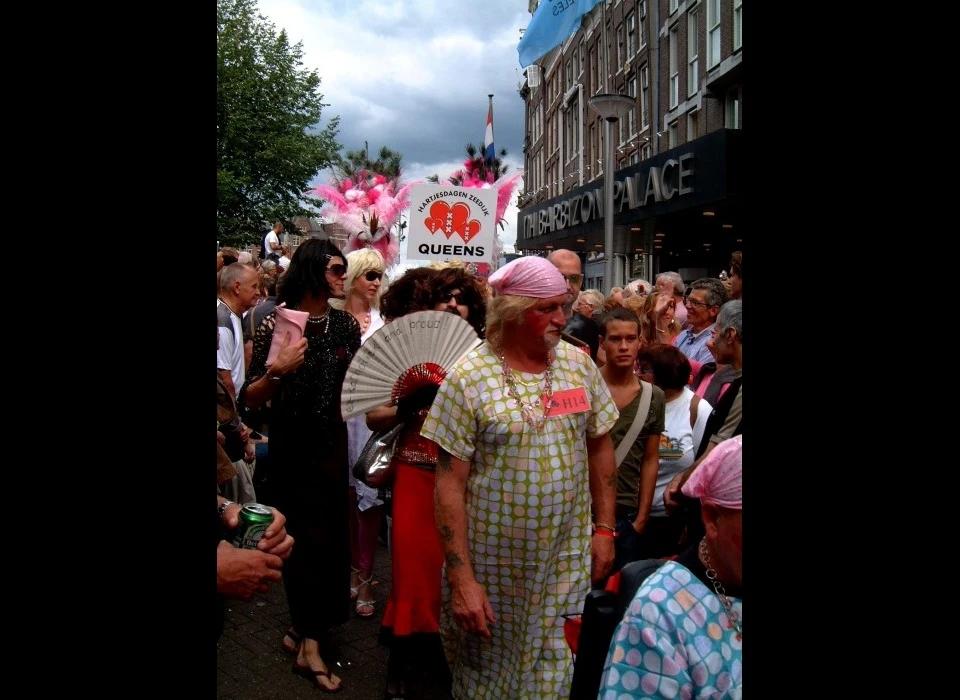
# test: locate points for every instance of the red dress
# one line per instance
(416, 556)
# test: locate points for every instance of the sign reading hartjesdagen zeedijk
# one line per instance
(452, 222)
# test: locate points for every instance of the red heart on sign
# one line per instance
(466, 229)
(440, 219)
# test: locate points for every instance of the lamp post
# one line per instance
(610, 108)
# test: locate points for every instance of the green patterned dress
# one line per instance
(529, 526)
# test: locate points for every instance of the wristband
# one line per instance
(604, 526)
(605, 533)
(223, 508)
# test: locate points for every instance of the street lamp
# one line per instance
(610, 108)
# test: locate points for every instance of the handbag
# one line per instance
(374, 466)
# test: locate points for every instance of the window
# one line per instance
(573, 130)
(583, 56)
(673, 6)
(737, 24)
(692, 119)
(569, 73)
(595, 68)
(713, 33)
(628, 122)
(643, 22)
(693, 76)
(631, 35)
(672, 141)
(731, 112)
(645, 151)
(674, 69)
(644, 96)
(593, 170)
(620, 55)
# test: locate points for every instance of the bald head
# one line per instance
(568, 263)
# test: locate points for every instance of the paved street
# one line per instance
(251, 662)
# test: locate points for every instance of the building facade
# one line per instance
(677, 184)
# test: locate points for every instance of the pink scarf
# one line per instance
(529, 276)
(719, 478)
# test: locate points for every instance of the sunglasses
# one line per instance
(446, 298)
(372, 275)
(337, 270)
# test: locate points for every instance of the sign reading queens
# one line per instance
(452, 222)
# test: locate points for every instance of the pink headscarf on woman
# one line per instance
(719, 478)
(530, 276)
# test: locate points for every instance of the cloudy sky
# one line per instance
(414, 75)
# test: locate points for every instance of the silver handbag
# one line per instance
(373, 466)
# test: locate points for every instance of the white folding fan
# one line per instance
(406, 353)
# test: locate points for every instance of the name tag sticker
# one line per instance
(568, 401)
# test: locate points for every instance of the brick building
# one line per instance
(677, 193)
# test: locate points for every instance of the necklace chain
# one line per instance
(316, 320)
(732, 614)
(527, 410)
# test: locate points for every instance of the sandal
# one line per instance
(296, 641)
(354, 590)
(316, 676)
(365, 604)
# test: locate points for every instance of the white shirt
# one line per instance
(230, 351)
(678, 443)
(271, 238)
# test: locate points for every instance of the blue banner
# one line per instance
(553, 22)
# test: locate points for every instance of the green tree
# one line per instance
(269, 143)
(386, 164)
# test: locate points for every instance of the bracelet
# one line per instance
(605, 533)
(223, 508)
(604, 526)
(274, 377)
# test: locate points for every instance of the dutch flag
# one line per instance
(488, 151)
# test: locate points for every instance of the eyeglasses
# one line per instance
(337, 270)
(446, 298)
(373, 275)
(697, 304)
(574, 279)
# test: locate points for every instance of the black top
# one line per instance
(587, 330)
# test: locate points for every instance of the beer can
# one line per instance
(254, 521)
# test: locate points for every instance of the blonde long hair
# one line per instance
(502, 310)
(360, 262)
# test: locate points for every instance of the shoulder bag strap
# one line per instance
(646, 389)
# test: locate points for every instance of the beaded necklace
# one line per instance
(317, 320)
(527, 410)
(733, 619)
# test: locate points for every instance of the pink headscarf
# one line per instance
(529, 276)
(719, 478)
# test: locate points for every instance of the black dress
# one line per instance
(308, 470)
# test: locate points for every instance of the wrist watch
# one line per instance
(223, 508)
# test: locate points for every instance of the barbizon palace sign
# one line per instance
(452, 222)
(657, 184)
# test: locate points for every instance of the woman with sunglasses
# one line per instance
(308, 449)
(363, 285)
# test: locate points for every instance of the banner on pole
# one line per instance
(452, 222)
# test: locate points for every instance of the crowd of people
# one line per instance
(585, 432)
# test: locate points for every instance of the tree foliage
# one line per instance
(353, 163)
(269, 142)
